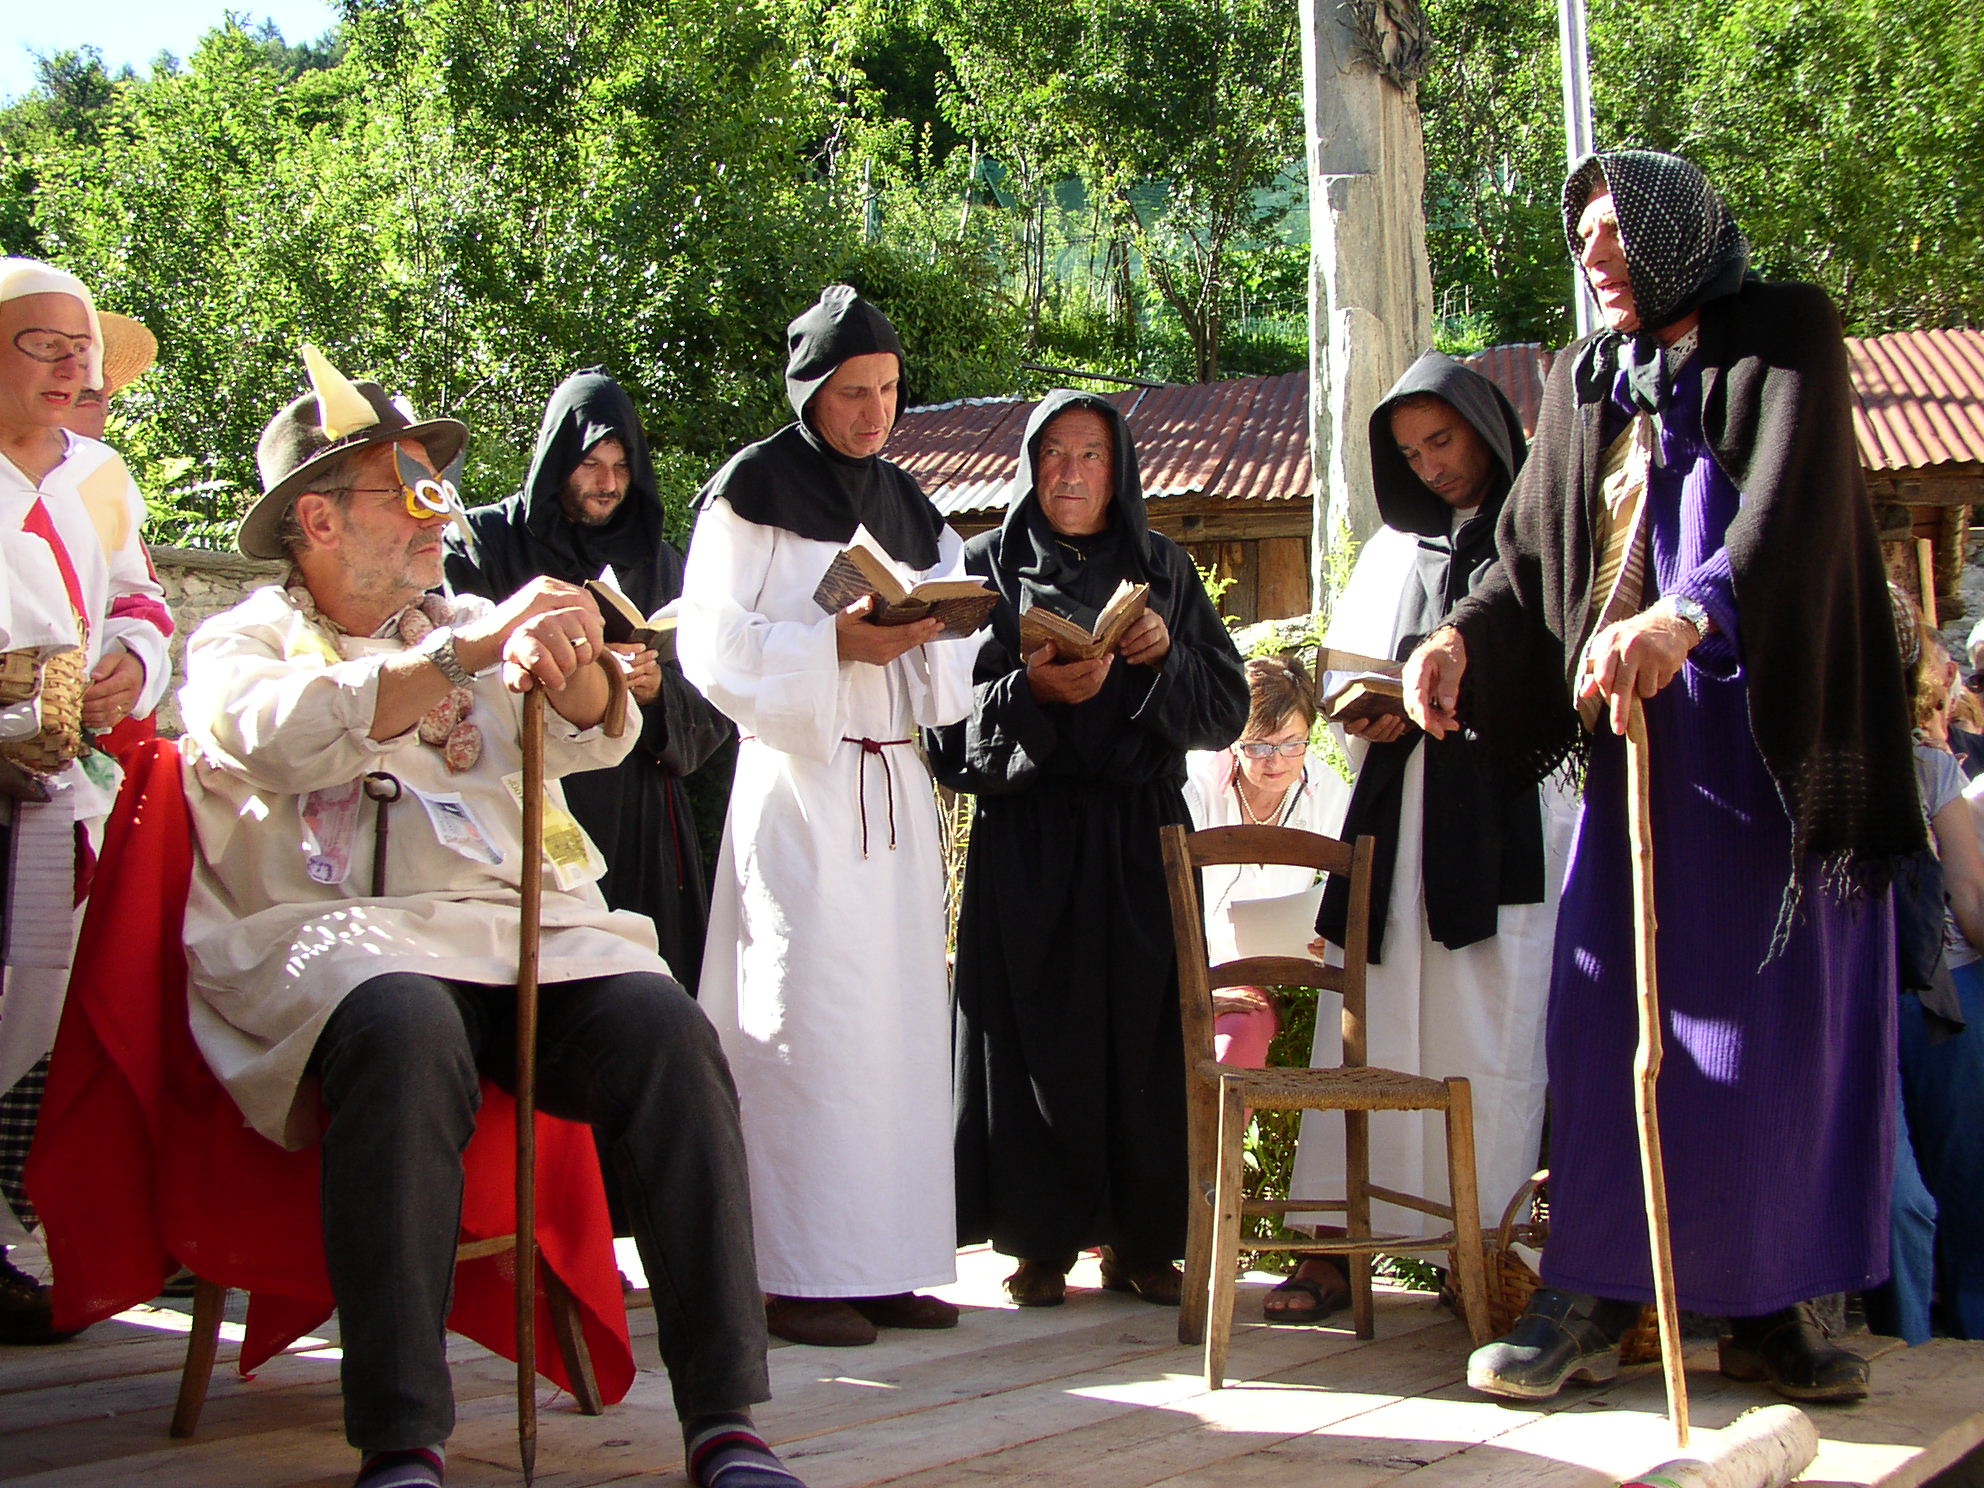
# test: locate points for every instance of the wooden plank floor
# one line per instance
(1096, 1393)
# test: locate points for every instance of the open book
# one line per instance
(1076, 642)
(862, 568)
(623, 620)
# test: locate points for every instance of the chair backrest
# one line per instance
(1185, 853)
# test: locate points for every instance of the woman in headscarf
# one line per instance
(824, 969)
(1069, 1059)
(1700, 448)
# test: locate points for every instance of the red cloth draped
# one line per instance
(142, 1162)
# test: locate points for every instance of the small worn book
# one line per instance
(1074, 641)
(862, 568)
(1370, 695)
(624, 622)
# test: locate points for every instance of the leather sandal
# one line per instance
(906, 1310)
(1040, 1283)
(1560, 1336)
(1155, 1281)
(820, 1322)
(1329, 1294)
(1789, 1351)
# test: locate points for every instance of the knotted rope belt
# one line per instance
(875, 747)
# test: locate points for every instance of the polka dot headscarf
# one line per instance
(1683, 247)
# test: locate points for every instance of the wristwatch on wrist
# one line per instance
(1683, 608)
(439, 647)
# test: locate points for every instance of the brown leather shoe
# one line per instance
(1154, 1281)
(906, 1310)
(822, 1322)
(1040, 1283)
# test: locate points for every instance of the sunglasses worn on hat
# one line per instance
(427, 496)
(1259, 749)
(50, 347)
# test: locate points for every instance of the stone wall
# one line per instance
(199, 583)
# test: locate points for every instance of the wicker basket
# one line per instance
(1511, 1281)
(59, 683)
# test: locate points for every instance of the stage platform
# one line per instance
(1095, 1394)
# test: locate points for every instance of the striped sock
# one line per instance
(419, 1468)
(724, 1450)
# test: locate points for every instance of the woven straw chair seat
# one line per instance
(1363, 1088)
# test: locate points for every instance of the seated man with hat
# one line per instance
(353, 927)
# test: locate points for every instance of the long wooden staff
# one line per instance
(532, 889)
(1646, 1071)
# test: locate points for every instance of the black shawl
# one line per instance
(797, 481)
(1481, 836)
(1827, 706)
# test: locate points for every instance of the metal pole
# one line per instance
(1577, 129)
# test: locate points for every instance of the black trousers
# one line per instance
(400, 1064)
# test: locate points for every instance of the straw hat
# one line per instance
(129, 350)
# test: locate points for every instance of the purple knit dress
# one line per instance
(1777, 1093)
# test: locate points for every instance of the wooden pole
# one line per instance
(532, 889)
(1646, 1071)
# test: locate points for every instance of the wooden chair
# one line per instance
(1218, 1096)
(210, 1301)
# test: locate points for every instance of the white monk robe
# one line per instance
(824, 972)
(1476, 1012)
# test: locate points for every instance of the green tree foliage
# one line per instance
(1176, 114)
(1847, 134)
(471, 199)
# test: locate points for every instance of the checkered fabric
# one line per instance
(19, 1108)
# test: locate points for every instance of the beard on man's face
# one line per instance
(589, 509)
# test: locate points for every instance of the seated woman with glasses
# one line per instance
(1261, 779)
(1264, 778)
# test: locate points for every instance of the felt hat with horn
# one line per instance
(334, 418)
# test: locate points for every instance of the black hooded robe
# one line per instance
(636, 812)
(1460, 878)
(1070, 1094)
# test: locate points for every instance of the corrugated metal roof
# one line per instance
(1918, 404)
(1243, 438)
(1518, 369)
(1919, 398)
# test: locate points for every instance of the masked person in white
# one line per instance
(73, 575)
(824, 969)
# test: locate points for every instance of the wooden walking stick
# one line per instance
(530, 936)
(530, 933)
(1646, 1070)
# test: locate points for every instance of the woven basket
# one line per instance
(1511, 1281)
(59, 683)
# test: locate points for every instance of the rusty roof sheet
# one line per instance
(1919, 398)
(1918, 404)
(1518, 369)
(1243, 438)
